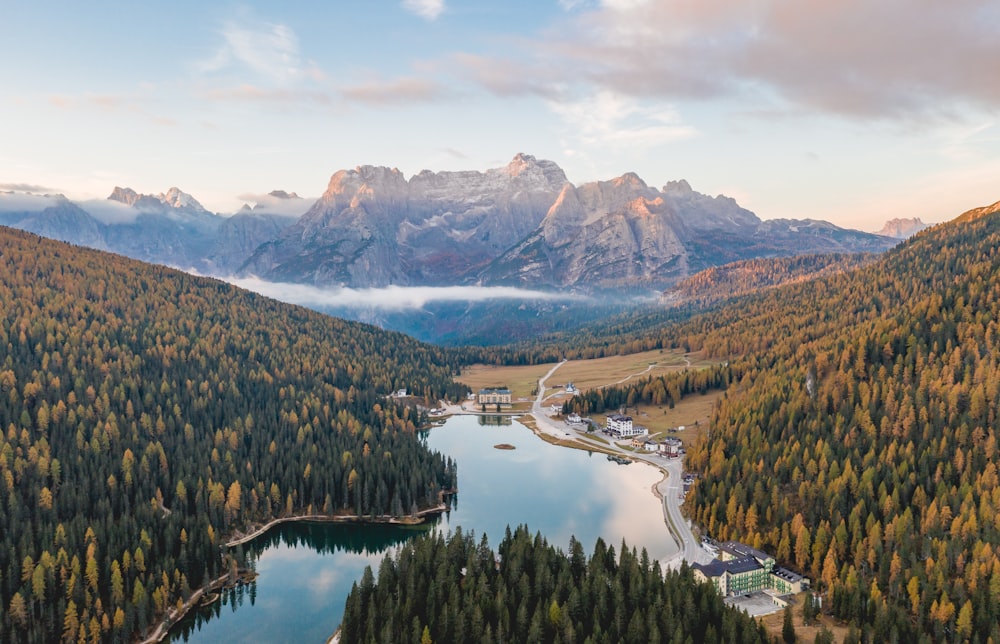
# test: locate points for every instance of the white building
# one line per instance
(618, 424)
(622, 426)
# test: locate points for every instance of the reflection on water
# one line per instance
(495, 420)
(306, 570)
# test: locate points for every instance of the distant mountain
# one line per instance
(623, 233)
(62, 220)
(902, 228)
(526, 224)
(372, 227)
(522, 224)
(170, 228)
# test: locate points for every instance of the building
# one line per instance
(731, 550)
(570, 389)
(574, 419)
(735, 576)
(494, 396)
(618, 424)
(622, 427)
(741, 569)
(671, 447)
(787, 582)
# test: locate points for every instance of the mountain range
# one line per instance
(523, 224)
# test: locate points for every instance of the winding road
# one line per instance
(670, 488)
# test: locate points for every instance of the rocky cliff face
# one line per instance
(522, 224)
(372, 227)
(624, 233)
(902, 228)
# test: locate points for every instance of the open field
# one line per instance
(521, 380)
(693, 412)
(600, 372)
(585, 374)
(774, 621)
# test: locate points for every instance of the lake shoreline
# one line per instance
(175, 616)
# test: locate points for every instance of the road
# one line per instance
(688, 548)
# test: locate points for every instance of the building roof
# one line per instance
(714, 569)
(737, 549)
(494, 390)
(786, 574)
(620, 418)
(733, 567)
(743, 564)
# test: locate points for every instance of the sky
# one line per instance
(853, 111)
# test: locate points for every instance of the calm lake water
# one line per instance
(306, 570)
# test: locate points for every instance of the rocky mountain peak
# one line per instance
(545, 174)
(344, 182)
(679, 187)
(177, 198)
(901, 228)
(629, 180)
(281, 194)
(127, 196)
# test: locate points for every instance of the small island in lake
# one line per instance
(504, 446)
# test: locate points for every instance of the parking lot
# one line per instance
(755, 605)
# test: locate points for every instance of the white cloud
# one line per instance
(877, 59)
(426, 9)
(107, 211)
(18, 202)
(611, 118)
(399, 91)
(268, 203)
(270, 50)
(392, 297)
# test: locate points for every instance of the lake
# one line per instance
(306, 570)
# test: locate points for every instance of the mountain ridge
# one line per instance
(522, 224)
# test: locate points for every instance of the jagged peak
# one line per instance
(681, 187)
(177, 198)
(520, 163)
(127, 196)
(630, 179)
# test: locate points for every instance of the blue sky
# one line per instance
(853, 111)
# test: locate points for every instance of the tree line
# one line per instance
(147, 415)
(451, 588)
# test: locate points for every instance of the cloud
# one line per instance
(19, 202)
(871, 59)
(110, 212)
(248, 92)
(512, 77)
(426, 9)
(400, 91)
(26, 187)
(267, 203)
(269, 50)
(610, 118)
(392, 297)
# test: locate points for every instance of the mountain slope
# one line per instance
(863, 447)
(148, 414)
(623, 233)
(372, 227)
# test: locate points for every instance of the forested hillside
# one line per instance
(860, 444)
(453, 589)
(721, 283)
(147, 414)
